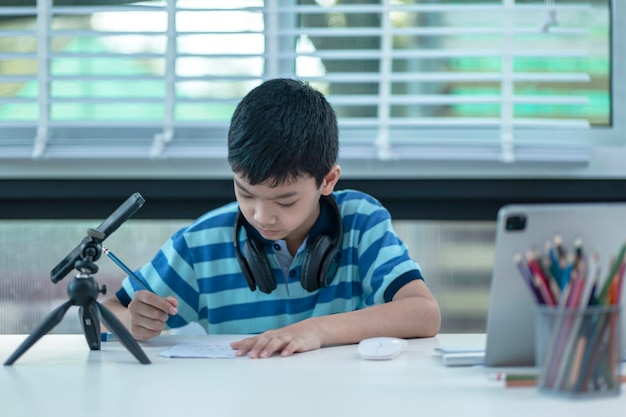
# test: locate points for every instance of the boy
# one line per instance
(292, 262)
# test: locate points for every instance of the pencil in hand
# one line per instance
(138, 280)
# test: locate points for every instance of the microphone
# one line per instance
(108, 226)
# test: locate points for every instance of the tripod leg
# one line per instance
(91, 325)
(118, 329)
(48, 324)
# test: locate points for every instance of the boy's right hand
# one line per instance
(148, 313)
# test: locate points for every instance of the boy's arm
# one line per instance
(413, 312)
(120, 311)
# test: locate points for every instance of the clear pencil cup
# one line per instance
(578, 351)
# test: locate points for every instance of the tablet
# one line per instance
(510, 319)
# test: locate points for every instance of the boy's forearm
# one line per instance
(405, 318)
(121, 312)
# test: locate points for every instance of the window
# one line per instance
(150, 86)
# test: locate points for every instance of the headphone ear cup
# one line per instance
(314, 274)
(329, 267)
(258, 266)
(243, 264)
(245, 269)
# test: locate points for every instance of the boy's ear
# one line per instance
(331, 179)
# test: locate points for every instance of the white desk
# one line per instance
(60, 376)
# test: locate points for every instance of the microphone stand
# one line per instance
(83, 291)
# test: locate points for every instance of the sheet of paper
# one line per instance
(212, 349)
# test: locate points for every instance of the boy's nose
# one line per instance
(263, 215)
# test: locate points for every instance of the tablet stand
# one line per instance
(83, 291)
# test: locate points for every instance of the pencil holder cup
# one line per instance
(577, 351)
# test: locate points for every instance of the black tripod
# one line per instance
(83, 291)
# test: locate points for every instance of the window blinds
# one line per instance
(410, 80)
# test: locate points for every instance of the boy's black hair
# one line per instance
(283, 130)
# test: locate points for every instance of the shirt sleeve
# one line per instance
(384, 263)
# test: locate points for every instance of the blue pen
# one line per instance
(143, 284)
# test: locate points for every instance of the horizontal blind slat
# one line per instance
(432, 8)
(430, 31)
(337, 54)
(564, 77)
(323, 32)
(373, 8)
(88, 10)
(457, 99)
(343, 100)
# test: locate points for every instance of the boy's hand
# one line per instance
(148, 313)
(299, 337)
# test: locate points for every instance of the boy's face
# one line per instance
(286, 211)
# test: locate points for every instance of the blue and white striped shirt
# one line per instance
(199, 267)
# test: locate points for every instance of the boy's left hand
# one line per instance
(285, 341)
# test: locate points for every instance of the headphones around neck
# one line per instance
(321, 257)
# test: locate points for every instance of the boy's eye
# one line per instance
(286, 204)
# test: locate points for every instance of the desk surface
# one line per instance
(60, 376)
